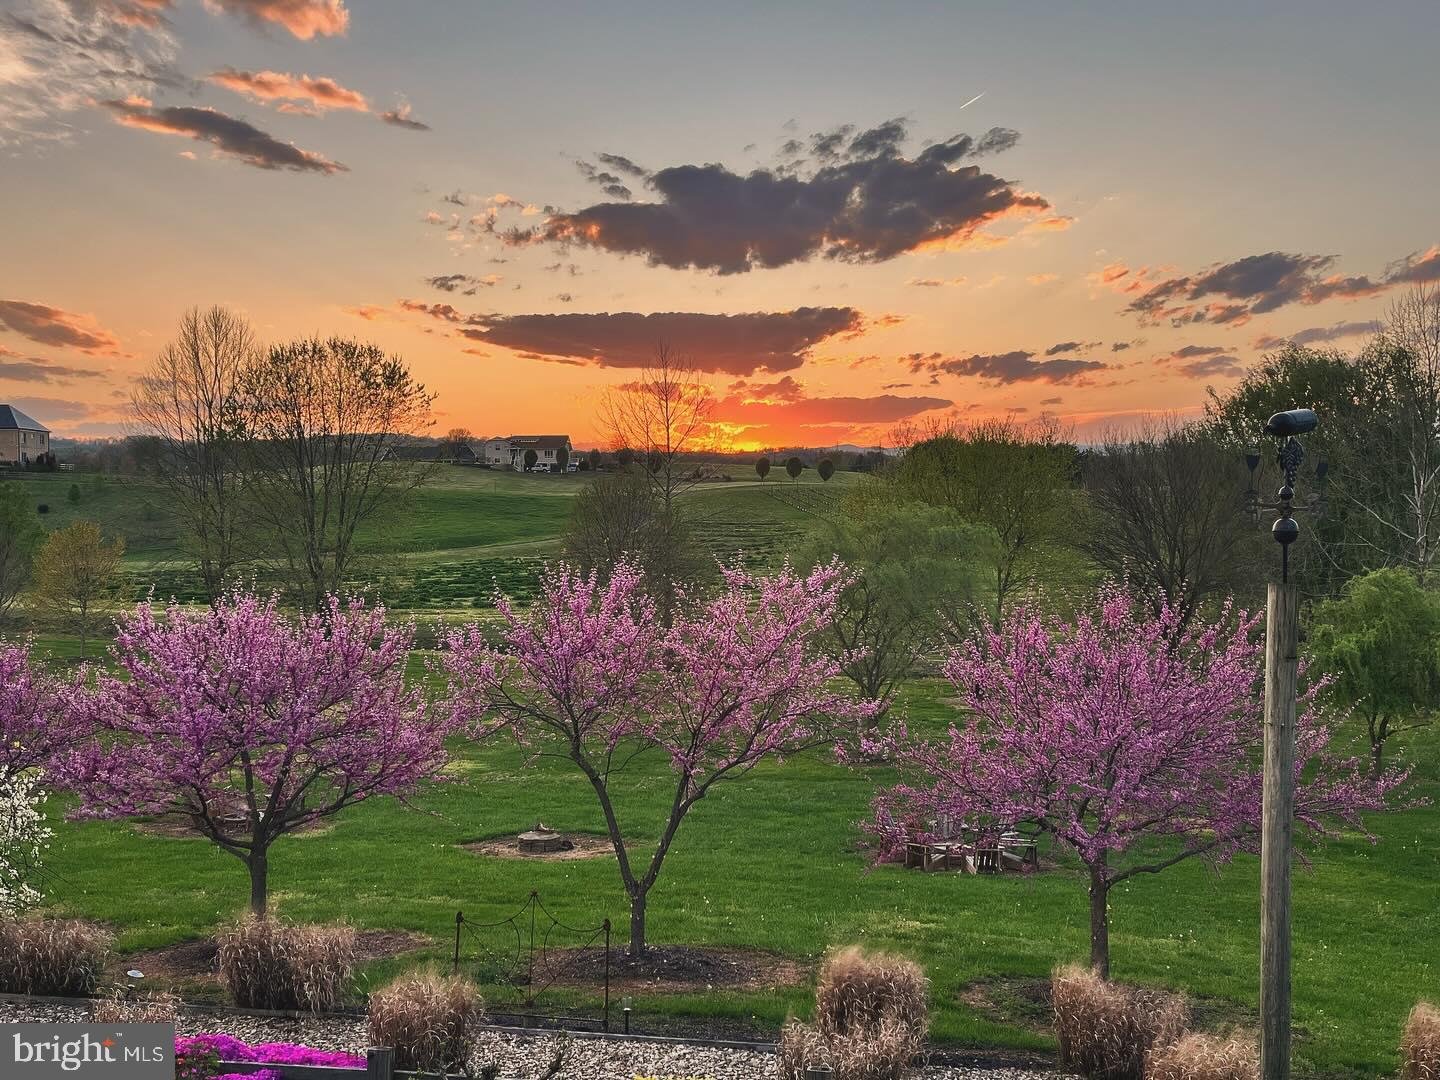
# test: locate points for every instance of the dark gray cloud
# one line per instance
(1202, 362)
(56, 327)
(400, 117)
(740, 344)
(1017, 366)
(1233, 292)
(621, 163)
(230, 135)
(853, 206)
(36, 369)
(882, 141)
(1071, 346)
(1315, 334)
(1249, 286)
(1213, 367)
(608, 182)
(466, 284)
(48, 410)
(1416, 268)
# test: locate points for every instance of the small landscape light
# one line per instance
(134, 973)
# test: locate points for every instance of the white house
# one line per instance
(496, 453)
(552, 452)
(22, 440)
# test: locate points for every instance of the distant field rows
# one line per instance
(452, 544)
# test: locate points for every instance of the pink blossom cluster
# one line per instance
(229, 1048)
(733, 679)
(41, 714)
(1113, 728)
(297, 717)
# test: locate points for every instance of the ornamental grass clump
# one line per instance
(432, 1021)
(1203, 1057)
(268, 964)
(1105, 1031)
(1420, 1045)
(116, 1008)
(871, 1016)
(51, 957)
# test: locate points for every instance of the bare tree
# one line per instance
(1166, 512)
(619, 515)
(188, 401)
(660, 417)
(1406, 450)
(654, 422)
(326, 418)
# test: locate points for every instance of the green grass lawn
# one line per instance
(771, 862)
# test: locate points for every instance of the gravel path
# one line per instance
(524, 1057)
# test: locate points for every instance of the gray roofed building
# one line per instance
(23, 440)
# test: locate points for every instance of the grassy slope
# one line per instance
(771, 862)
(788, 879)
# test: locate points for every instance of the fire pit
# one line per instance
(541, 840)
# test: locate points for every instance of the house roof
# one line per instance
(11, 417)
(540, 442)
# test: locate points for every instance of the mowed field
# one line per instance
(773, 861)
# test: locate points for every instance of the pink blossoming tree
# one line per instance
(41, 714)
(249, 725)
(1134, 740)
(591, 673)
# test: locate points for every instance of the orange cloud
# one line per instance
(1054, 223)
(145, 13)
(54, 326)
(303, 18)
(316, 93)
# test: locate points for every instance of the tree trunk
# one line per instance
(259, 885)
(1377, 758)
(1099, 921)
(637, 926)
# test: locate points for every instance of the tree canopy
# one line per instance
(1380, 640)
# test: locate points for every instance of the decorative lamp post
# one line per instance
(1282, 642)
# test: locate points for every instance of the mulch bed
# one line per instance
(193, 962)
(234, 816)
(678, 968)
(582, 846)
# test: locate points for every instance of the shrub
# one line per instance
(881, 1052)
(857, 990)
(430, 1021)
(1105, 1030)
(152, 1009)
(871, 1015)
(1420, 1046)
(1203, 1057)
(51, 957)
(268, 964)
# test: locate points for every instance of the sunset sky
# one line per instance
(851, 214)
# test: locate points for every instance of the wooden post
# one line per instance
(1282, 640)
(380, 1063)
